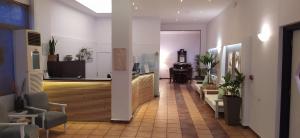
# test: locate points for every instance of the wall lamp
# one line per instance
(265, 33)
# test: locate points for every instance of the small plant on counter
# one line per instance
(85, 54)
(52, 44)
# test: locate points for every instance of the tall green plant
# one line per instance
(52, 43)
(200, 70)
(210, 61)
(232, 84)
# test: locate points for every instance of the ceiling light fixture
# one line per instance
(133, 3)
(136, 7)
(98, 6)
(178, 12)
(181, 1)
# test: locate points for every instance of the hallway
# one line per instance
(177, 113)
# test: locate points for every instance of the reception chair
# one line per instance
(17, 130)
(38, 103)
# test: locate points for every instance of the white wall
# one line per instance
(189, 27)
(241, 23)
(171, 42)
(146, 35)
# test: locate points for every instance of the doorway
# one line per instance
(171, 42)
(290, 87)
(104, 64)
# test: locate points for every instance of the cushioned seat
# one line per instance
(211, 100)
(31, 131)
(14, 131)
(52, 119)
(38, 102)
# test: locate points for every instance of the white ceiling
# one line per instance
(191, 11)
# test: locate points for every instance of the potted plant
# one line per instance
(202, 72)
(232, 97)
(84, 54)
(52, 44)
(210, 61)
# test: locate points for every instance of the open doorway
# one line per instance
(290, 83)
(171, 42)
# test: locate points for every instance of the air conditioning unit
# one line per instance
(28, 54)
(25, 2)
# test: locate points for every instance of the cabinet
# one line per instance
(66, 69)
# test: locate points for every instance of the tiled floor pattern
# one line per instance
(178, 113)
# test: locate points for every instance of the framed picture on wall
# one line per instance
(237, 61)
(229, 62)
(233, 61)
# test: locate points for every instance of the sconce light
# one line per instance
(265, 33)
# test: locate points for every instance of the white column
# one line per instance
(121, 80)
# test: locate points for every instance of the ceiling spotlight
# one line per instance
(136, 7)
(178, 12)
(181, 1)
(133, 3)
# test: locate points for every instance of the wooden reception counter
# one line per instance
(90, 99)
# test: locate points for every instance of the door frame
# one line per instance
(287, 54)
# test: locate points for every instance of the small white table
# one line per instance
(22, 119)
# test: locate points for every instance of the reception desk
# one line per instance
(90, 99)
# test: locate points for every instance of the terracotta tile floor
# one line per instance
(178, 113)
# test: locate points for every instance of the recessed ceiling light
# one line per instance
(98, 6)
(178, 12)
(133, 3)
(181, 1)
(136, 7)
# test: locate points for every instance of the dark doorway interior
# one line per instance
(287, 51)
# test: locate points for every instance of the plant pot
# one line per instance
(232, 109)
(210, 86)
(52, 58)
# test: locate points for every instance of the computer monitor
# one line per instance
(136, 68)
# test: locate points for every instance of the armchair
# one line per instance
(17, 130)
(38, 103)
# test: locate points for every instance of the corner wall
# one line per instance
(240, 23)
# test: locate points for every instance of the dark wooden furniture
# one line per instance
(182, 72)
(66, 69)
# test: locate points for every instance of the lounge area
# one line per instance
(149, 69)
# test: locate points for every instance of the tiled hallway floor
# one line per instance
(178, 113)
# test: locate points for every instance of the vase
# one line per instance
(19, 104)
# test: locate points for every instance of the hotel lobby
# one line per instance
(149, 68)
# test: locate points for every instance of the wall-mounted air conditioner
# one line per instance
(28, 54)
